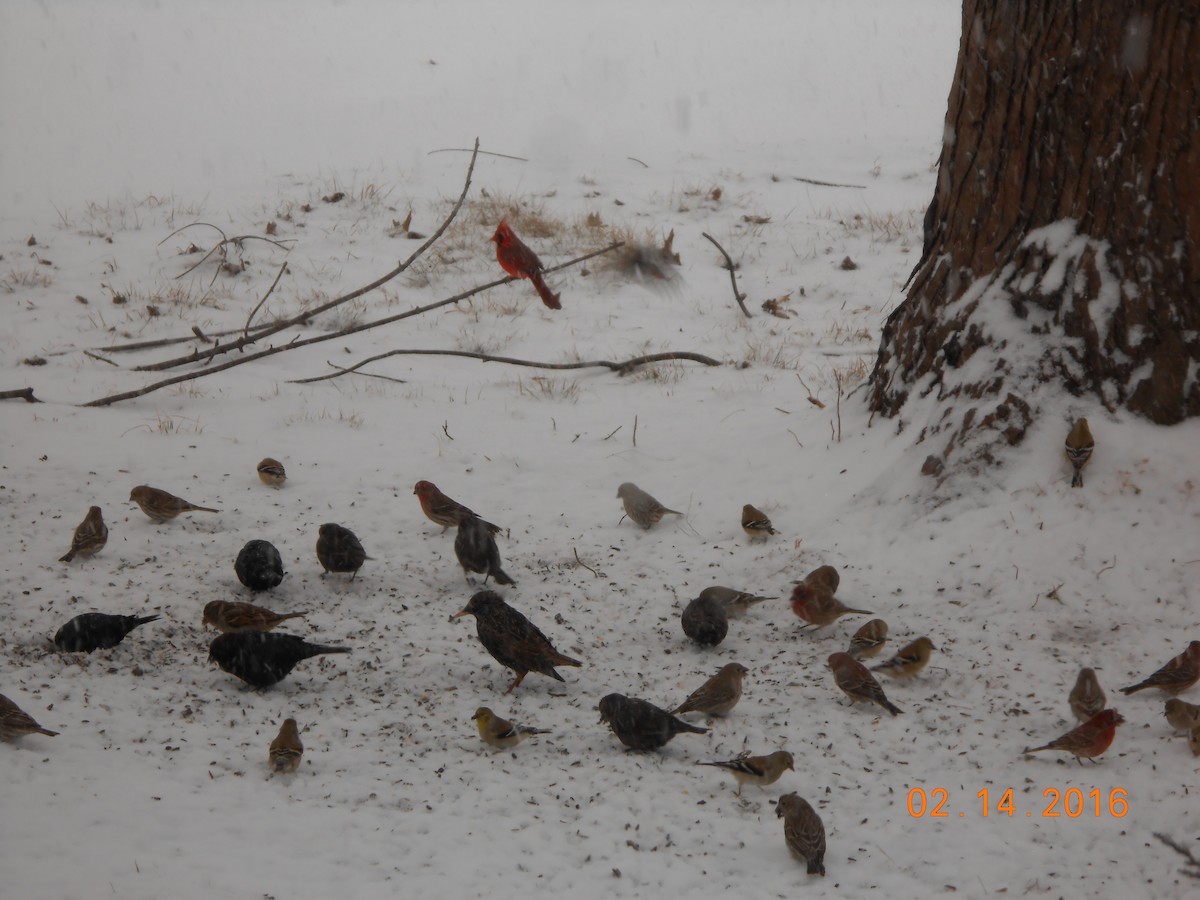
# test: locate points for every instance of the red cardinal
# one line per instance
(520, 262)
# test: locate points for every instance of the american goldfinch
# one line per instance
(96, 631)
(803, 831)
(640, 725)
(869, 639)
(755, 523)
(90, 536)
(735, 602)
(1089, 740)
(1181, 715)
(477, 551)
(1086, 698)
(497, 732)
(272, 473)
(818, 607)
(286, 750)
(512, 640)
(760, 770)
(909, 660)
(161, 506)
(717, 696)
(857, 683)
(705, 622)
(259, 566)
(443, 511)
(643, 509)
(263, 658)
(15, 722)
(228, 616)
(1079, 448)
(339, 550)
(1176, 676)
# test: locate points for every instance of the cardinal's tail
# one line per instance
(548, 297)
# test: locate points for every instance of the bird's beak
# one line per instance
(459, 614)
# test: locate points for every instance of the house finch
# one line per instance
(760, 770)
(90, 536)
(477, 551)
(512, 640)
(228, 616)
(272, 474)
(1079, 448)
(869, 639)
(824, 578)
(641, 725)
(816, 606)
(735, 602)
(857, 683)
(263, 658)
(520, 262)
(1181, 715)
(15, 722)
(717, 696)
(1089, 740)
(161, 506)
(755, 523)
(705, 622)
(339, 550)
(442, 510)
(96, 631)
(641, 507)
(286, 750)
(497, 732)
(1086, 698)
(1176, 676)
(803, 831)
(259, 566)
(909, 660)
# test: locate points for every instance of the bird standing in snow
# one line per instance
(804, 832)
(857, 683)
(1086, 697)
(759, 770)
(15, 722)
(231, 616)
(909, 660)
(717, 696)
(501, 733)
(1176, 675)
(286, 750)
(643, 509)
(339, 550)
(162, 506)
(1078, 449)
(272, 473)
(90, 536)
(442, 510)
(512, 640)
(1089, 740)
(96, 631)
(755, 523)
(640, 725)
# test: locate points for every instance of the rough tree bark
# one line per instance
(1062, 246)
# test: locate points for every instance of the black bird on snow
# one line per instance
(97, 631)
(641, 725)
(263, 658)
(259, 566)
(514, 641)
(705, 621)
(477, 551)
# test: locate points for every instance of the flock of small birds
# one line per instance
(248, 648)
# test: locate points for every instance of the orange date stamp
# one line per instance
(1069, 803)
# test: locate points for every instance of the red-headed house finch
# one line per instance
(286, 750)
(755, 523)
(15, 722)
(858, 683)
(818, 608)
(823, 577)
(717, 696)
(1078, 449)
(1086, 697)
(520, 262)
(501, 733)
(90, 536)
(803, 831)
(1176, 676)
(640, 725)
(162, 506)
(96, 631)
(643, 509)
(1089, 740)
(759, 770)
(869, 639)
(442, 510)
(909, 660)
(230, 616)
(272, 473)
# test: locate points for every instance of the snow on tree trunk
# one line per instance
(1062, 246)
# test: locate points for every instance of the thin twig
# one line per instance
(638, 161)
(635, 429)
(250, 318)
(25, 394)
(828, 183)
(737, 295)
(1112, 565)
(837, 376)
(582, 563)
(1182, 851)
(97, 356)
(611, 433)
(167, 342)
(481, 152)
(446, 429)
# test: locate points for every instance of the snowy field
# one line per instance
(125, 122)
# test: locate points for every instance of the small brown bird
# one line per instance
(1181, 715)
(1079, 448)
(857, 683)
(441, 510)
(643, 509)
(816, 606)
(339, 550)
(477, 551)
(717, 696)
(760, 770)
(97, 631)
(803, 831)
(640, 725)
(497, 732)
(512, 640)
(705, 621)
(755, 523)
(1176, 676)
(1086, 698)
(869, 639)
(825, 578)
(272, 473)
(15, 722)
(90, 536)
(1089, 740)
(286, 750)
(735, 602)
(229, 616)
(909, 660)
(161, 506)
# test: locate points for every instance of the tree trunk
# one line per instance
(1062, 246)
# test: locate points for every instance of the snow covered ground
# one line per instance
(126, 122)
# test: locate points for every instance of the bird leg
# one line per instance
(516, 683)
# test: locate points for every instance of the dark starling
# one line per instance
(705, 621)
(259, 566)
(477, 551)
(339, 550)
(262, 658)
(803, 831)
(15, 722)
(641, 725)
(97, 631)
(514, 641)
(229, 615)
